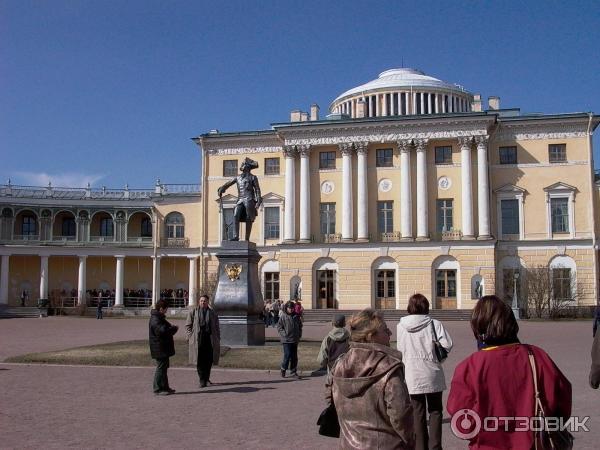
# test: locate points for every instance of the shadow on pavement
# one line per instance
(239, 390)
(283, 380)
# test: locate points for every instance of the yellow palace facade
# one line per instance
(408, 185)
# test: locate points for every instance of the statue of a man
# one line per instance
(249, 198)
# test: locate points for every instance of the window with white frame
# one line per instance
(29, 226)
(227, 231)
(564, 273)
(272, 222)
(559, 212)
(557, 153)
(509, 209)
(174, 225)
(327, 218)
(271, 285)
(385, 220)
(444, 214)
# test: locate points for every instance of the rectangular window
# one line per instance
(230, 168)
(559, 211)
(557, 153)
(445, 283)
(106, 227)
(510, 216)
(443, 155)
(327, 160)
(29, 226)
(384, 157)
(272, 223)
(561, 284)
(508, 155)
(68, 227)
(327, 218)
(227, 223)
(271, 166)
(271, 285)
(385, 220)
(444, 215)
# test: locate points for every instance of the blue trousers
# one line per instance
(290, 357)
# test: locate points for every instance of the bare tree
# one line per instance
(538, 290)
(550, 291)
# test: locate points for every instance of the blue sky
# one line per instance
(111, 92)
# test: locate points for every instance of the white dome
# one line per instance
(400, 78)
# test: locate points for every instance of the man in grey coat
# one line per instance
(204, 338)
(289, 328)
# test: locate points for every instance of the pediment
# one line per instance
(510, 188)
(560, 187)
(271, 197)
(228, 198)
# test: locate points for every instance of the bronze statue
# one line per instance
(249, 198)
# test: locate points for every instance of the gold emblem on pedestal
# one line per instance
(233, 271)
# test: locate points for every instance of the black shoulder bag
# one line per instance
(438, 349)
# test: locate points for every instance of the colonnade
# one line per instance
(407, 148)
(405, 103)
(82, 274)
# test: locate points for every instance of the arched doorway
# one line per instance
(446, 278)
(325, 273)
(385, 283)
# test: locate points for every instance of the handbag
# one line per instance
(544, 439)
(328, 422)
(439, 350)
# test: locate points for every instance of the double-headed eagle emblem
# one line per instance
(233, 271)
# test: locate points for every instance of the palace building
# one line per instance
(409, 184)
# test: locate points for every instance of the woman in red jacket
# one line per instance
(496, 383)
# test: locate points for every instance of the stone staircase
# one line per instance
(13, 312)
(326, 315)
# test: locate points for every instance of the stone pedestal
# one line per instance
(238, 299)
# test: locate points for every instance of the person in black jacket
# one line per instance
(162, 346)
(289, 327)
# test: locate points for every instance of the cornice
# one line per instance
(537, 131)
(383, 132)
(242, 144)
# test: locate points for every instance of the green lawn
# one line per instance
(137, 353)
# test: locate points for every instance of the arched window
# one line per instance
(146, 227)
(68, 227)
(174, 225)
(29, 227)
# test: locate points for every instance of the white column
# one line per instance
(347, 229)
(44, 277)
(289, 234)
(450, 103)
(362, 193)
(444, 110)
(384, 105)
(4, 280)
(422, 206)
(437, 103)
(483, 188)
(304, 193)
(192, 285)
(119, 280)
(155, 279)
(429, 103)
(405, 191)
(81, 280)
(466, 187)
(414, 102)
(422, 103)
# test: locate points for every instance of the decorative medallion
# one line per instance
(233, 271)
(444, 183)
(385, 185)
(327, 187)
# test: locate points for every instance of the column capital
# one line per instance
(157, 257)
(405, 145)
(482, 141)
(361, 147)
(289, 151)
(304, 150)
(465, 142)
(82, 256)
(192, 257)
(421, 145)
(346, 148)
(120, 256)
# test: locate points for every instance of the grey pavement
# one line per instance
(102, 407)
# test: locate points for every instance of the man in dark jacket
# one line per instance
(290, 332)
(162, 346)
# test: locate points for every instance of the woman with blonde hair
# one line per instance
(368, 389)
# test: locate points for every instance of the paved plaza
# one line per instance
(109, 407)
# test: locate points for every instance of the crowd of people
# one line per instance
(392, 398)
(273, 308)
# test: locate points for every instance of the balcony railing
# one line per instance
(102, 238)
(63, 238)
(175, 242)
(139, 240)
(331, 238)
(26, 237)
(390, 237)
(451, 235)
